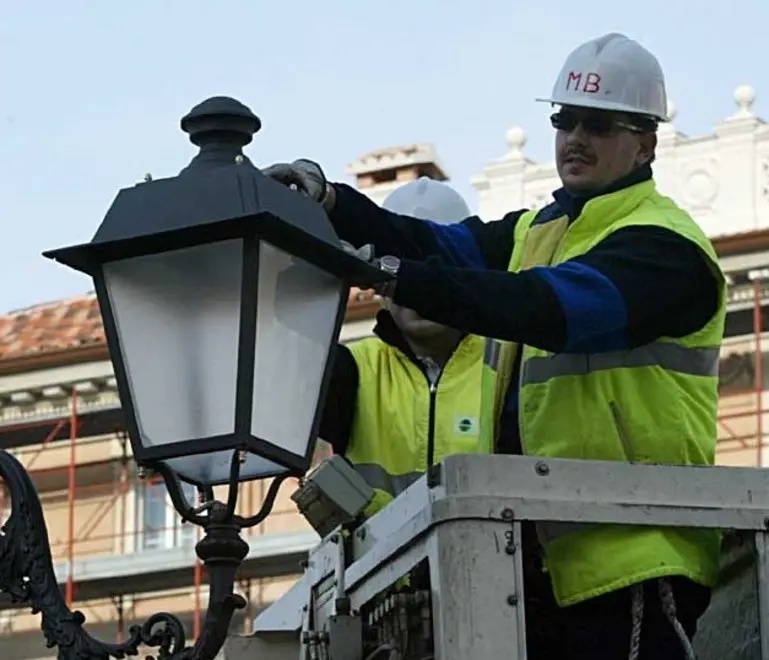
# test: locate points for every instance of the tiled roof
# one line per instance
(74, 325)
(49, 327)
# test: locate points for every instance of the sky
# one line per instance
(91, 92)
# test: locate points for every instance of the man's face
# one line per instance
(594, 148)
(413, 325)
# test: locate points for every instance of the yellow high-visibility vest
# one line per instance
(653, 404)
(399, 414)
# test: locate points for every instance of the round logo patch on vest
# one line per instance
(465, 425)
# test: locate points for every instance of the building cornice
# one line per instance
(48, 360)
(742, 243)
(51, 402)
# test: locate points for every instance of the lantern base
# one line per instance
(27, 574)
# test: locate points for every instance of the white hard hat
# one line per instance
(612, 72)
(428, 199)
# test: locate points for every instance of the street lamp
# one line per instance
(222, 294)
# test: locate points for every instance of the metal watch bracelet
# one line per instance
(391, 265)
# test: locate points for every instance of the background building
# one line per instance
(120, 550)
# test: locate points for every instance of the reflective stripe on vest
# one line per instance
(670, 356)
(491, 353)
(673, 357)
(376, 477)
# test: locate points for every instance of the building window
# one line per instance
(160, 526)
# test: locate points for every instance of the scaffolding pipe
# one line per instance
(743, 413)
(71, 492)
(48, 438)
(249, 614)
(124, 491)
(120, 618)
(732, 434)
(759, 370)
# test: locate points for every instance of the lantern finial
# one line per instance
(221, 126)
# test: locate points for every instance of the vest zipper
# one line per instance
(431, 421)
(433, 387)
(519, 359)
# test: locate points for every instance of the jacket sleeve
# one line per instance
(471, 243)
(635, 286)
(339, 410)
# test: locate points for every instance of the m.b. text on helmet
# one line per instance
(587, 83)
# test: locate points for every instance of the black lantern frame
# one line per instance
(220, 196)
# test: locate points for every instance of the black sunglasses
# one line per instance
(595, 124)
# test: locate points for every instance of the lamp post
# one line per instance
(222, 294)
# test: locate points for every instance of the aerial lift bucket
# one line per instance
(463, 523)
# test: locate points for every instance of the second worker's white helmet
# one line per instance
(428, 199)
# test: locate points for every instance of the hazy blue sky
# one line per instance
(91, 92)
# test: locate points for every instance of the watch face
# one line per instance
(390, 264)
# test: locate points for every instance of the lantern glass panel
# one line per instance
(298, 305)
(177, 316)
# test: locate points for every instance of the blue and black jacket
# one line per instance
(638, 284)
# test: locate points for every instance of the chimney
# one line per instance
(379, 172)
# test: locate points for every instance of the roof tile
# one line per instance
(50, 327)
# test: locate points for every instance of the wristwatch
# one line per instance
(390, 265)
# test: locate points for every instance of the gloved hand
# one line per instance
(304, 175)
(364, 252)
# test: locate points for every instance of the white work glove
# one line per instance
(303, 175)
(366, 253)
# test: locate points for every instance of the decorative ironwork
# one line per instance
(27, 574)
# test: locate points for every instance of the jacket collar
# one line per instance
(387, 330)
(390, 334)
(573, 203)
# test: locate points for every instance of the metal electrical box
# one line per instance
(332, 494)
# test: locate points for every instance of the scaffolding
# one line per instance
(34, 438)
(742, 388)
(70, 426)
(740, 430)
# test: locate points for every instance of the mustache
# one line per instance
(578, 153)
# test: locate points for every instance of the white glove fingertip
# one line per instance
(366, 252)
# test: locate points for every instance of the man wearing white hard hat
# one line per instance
(606, 311)
(404, 399)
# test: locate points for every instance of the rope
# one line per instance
(379, 652)
(669, 608)
(637, 613)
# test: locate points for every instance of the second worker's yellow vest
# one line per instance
(398, 414)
